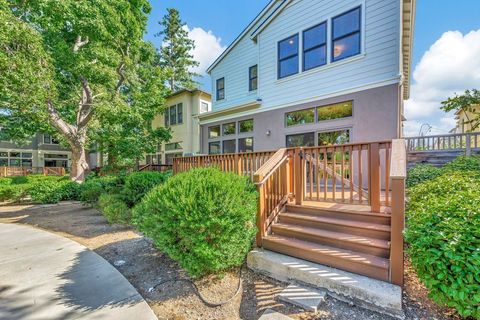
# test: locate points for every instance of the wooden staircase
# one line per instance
(355, 241)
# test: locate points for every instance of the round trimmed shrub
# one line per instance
(203, 218)
(443, 233)
(114, 209)
(138, 184)
(463, 163)
(421, 173)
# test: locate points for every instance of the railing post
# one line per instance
(237, 164)
(397, 226)
(260, 210)
(468, 141)
(299, 176)
(374, 176)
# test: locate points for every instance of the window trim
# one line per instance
(217, 90)
(234, 129)
(250, 78)
(239, 126)
(219, 131)
(359, 31)
(352, 101)
(212, 142)
(325, 44)
(279, 61)
(245, 138)
(301, 133)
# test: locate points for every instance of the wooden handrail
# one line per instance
(269, 165)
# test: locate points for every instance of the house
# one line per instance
(312, 72)
(464, 120)
(183, 107)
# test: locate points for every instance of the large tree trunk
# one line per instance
(79, 163)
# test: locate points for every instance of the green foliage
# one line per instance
(203, 218)
(138, 184)
(94, 187)
(444, 236)
(114, 209)
(12, 192)
(463, 163)
(421, 173)
(469, 102)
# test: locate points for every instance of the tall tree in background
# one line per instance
(77, 67)
(177, 60)
(469, 103)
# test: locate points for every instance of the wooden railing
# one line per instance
(11, 171)
(398, 175)
(456, 141)
(155, 167)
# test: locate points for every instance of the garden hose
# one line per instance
(202, 298)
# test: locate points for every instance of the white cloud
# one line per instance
(450, 66)
(207, 47)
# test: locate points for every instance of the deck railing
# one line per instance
(11, 171)
(155, 167)
(446, 142)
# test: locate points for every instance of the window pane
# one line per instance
(47, 138)
(214, 147)
(288, 47)
(253, 84)
(3, 162)
(204, 107)
(214, 132)
(335, 111)
(300, 117)
(15, 154)
(301, 140)
(173, 115)
(315, 58)
(221, 83)
(346, 23)
(229, 146)
(3, 154)
(180, 112)
(288, 67)
(26, 155)
(166, 118)
(253, 72)
(221, 89)
(27, 163)
(333, 137)
(173, 146)
(15, 162)
(346, 47)
(245, 145)
(228, 128)
(245, 126)
(315, 36)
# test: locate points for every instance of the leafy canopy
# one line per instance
(469, 102)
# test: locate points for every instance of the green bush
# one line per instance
(421, 173)
(114, 209)
(138, 184)
(463, 163)
(13, 193)
(443, 233)
(203, 218)
(38, 187)
(47, 191)
(94, 187)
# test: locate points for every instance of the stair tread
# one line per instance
(359, 240)
(341, 222)
(386, 214)
(332, 252)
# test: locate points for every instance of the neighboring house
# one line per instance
(42, 151)
(464, 120)
(310, 72)
(183, 107)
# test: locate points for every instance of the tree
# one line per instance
(74, 67)
(176, 56)
(469, 103)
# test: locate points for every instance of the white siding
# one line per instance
(379, 61)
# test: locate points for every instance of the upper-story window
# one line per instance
(315, 47)
(288, 57)
(174, 115)
(48, 139)
(346, 35)
(203, 107)
(221, 89)
(252, 78)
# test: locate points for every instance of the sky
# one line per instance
(446, 50)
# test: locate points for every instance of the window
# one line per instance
(245, 145)
(333, 137)
(170, 156)
(48, 139)
(26, 154)
(213, 132)
(252, 78)
(221, 89)
(14, 162)
(3, 162)
(27, 163)
(203, 107)
(228, 128)
(166, 117)
(346, 35)
(300, 117)
(14, 154)
(180, 113)
(214, 147)
(58, 156)
(173, 146)
(301, 140)
(229, 146)
(4, 154)
(315, 47)
(288, 57)
(173, 115)
(335, 111)
(245, 126)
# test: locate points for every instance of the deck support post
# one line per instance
(398, 224)
(468, 141)
(299, 176)
(374, 176)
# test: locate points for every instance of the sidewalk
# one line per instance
(44, 276)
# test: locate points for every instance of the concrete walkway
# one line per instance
(44, 276)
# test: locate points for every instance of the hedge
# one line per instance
(140, 183)
(114, 208)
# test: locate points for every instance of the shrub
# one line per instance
(70, 190)
(93, 188)
(463, 163)
(47, 191)
(421, 173)
(139, 183)
(13, 193)
(444, 236)
(114, 209)
(203, 218)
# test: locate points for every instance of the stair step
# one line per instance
(338, 213)
(360, 263)
(373, 246)
(359, 228)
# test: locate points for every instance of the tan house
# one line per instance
(463, 119)
(183, 107)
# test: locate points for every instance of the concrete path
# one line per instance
(45, 276)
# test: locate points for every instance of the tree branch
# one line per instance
(85, 113)
(121, 80)
(66, 129)
(79, 43)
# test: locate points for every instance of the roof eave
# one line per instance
(408, 25)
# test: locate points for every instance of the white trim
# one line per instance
(394, 80)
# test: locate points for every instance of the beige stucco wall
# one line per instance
(463, 118)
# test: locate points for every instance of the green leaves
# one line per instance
(469, 102)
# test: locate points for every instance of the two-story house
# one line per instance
(181, 116)
(312, 72)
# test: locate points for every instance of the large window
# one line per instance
(329, 138)
(229, 146)
(346, 40)
(301, 140)
(245, 126)
(300, 117)
(221, 89)
(173, 146)
(213, 132)
(252, 78)
(180, 113)
(315, 47)
(335, 111)
(214, 147)
(174, 115)
(288, 57)
(245, 145)
(228, 128)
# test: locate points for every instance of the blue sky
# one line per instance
(438, 52)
